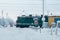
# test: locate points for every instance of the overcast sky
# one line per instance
(14, 8)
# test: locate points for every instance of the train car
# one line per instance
(26, 21)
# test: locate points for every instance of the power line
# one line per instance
(53, 4)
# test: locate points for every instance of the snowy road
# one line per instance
(11, 33)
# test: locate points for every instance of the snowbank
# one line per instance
(13, 33)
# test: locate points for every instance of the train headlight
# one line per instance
(43, 19)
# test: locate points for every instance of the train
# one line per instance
(26, 21)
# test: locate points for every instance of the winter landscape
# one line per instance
(13, 33)
(29, 19)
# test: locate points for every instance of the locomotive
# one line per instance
(26, 21)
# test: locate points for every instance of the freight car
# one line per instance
(26, 21)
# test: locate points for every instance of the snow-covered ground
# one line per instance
(12, 33)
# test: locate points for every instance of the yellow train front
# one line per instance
(52, 19)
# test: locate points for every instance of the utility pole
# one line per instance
(2, 13)
(43, 19)
(2, 19)
(51, 14)
(43, 8)
(6, 15)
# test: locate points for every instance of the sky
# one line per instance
(15, 8)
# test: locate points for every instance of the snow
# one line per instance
(13, 33)
(6, 22)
